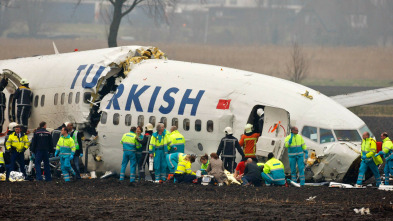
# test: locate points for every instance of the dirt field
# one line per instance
(113, 200)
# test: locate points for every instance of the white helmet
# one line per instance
(248, 128)
(24, 81)
(66, 123)
(149, 127)
(12, 125)
(228, 130)
(260, 112)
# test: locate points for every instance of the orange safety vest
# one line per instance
(249, 144)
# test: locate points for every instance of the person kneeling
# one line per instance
(252, 174)
(273, 171)
(183, 173)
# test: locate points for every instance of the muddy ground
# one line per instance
(110, 199)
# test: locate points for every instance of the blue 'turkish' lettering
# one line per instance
(153, 99)
(170, 100)
(95, 78)
(134, 96)
(187, 100)
(80, 68)
(116, 96)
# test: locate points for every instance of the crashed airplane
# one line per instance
(104, 92)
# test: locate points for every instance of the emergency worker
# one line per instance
(3, 84)
(41, 147)
(297, 153)
(158, 149)
(65, 148)
(273, 171)
(18, 143)
(138, 152)
(204, 163)
(129, 154)
(249, 142)
(177, 141)
(387, 152)
(260, 122)
(369, 160)
(183, 173)
(172, 161)
(23, 97)
(2, 161)
(145, 142)
(77, 137)
(7, 153)
(227, 148)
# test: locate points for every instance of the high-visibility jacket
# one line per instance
(275, 169)
(204, 166)
(129, 141)
(18, 143)
(2, 158)
(387, 148)
(181, 157)
(66, 145)
(184, 167)
(297, 145)
(23, 96)
(158, 142)
(138, 144)
(369, 148)
(249, 144)
(177, 140)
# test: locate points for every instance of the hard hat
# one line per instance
(260, 112)
(24, 81)
(149, 126)
(66, 123)
(228, 130)
(248, 128)
(12, 125)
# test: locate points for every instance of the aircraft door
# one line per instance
(13, 84)
(275, 129)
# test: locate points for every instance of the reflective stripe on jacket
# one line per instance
(184, 167)
(249, 144)
(369, 148)
(18, 144)
(387, 148)
(158, 142)
(129, 141)
(275, 169)
(66, 145)
(297, 146)
(204, 166)
(75, 138)
(2, 158)
(177, 140)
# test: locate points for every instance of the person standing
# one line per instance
(23, 97)
(387, 152)
(252, 174)
(297, 153)
(273, 171)
(3, 101)
(41, 147)
(260, 122)
(77, 137)
(369, 160)
(139, 136)
(145, 142)
(227, 148)
(129, 154)
(158, 149)
(249, 142)
(65, 148)
(177, 141)
(18, 143)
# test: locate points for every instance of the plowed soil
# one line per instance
(110, 199)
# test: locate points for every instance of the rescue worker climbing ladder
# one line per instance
(66, 149)
(297, 153)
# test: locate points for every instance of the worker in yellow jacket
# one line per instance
(273, 171)
(183, 173)
(18, 143)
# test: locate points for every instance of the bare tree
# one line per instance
(298, 66)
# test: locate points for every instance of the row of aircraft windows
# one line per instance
(152, 120)
(86, 98)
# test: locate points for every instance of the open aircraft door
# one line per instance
(275, 129)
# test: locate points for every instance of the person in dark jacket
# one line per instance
(3, 84)
(145, 142)
(77, 137)
(41, 147)
(252, 174)
(7, 153)
(227, 148)
(23, 97)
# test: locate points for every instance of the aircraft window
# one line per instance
(77, 97)
(86, 97)
(128, 120)
(62, 98)
(36, 101)
(56, 98)
(116, 119)
(104, 116)
(366, 129)
(310, 132)
(164, 121)
(209, 126)
(42, 100)
(175, 122)
(198, 125)
(347, 135)
(152, 120)
(326, 136)
(70, 98)
(186, 124)
(141, 120)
